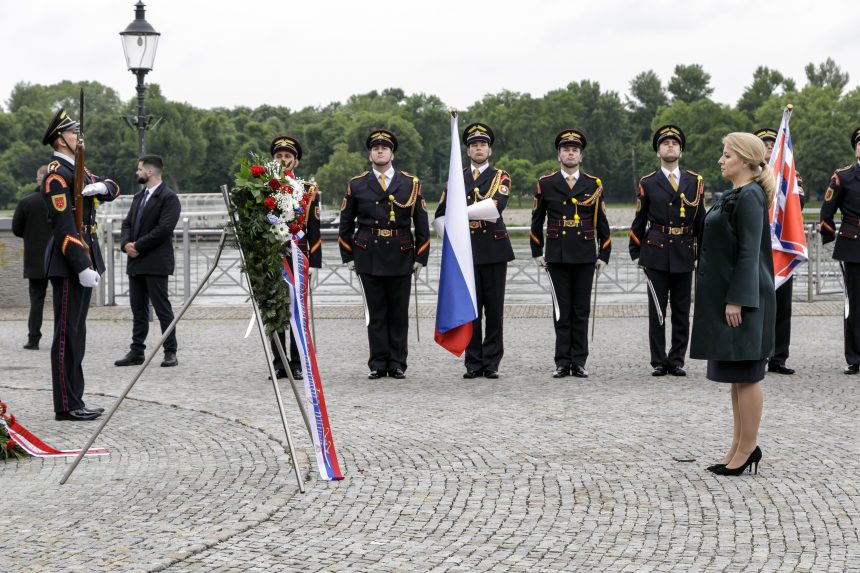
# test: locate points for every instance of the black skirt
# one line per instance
(736, 371)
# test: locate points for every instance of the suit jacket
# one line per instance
(378, 245)
(735, 267)
(69, 253)
(658, 206)
(576, 232)
(30, 222)
(153, 236)
(490, 241)
(843, 194)
(311, 243)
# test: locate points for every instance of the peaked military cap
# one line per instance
(382, 137)
(59, 124)
(669, 132)
(478, 132)
(855, 136)
(288, 143)
(572, 136)
(765, 134)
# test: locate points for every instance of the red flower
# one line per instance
(258, 170)
(294, 229)
(274, 184)
(270, 203)
(289, 174)
(10, 444)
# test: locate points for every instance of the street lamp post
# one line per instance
(139, 42)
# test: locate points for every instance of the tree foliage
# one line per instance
(202, 148)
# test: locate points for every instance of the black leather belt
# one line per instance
(565, 222)
(389, 232)
(673, 230)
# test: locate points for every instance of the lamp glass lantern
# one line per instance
(139, 42)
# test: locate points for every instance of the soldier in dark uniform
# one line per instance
(74, 264)
(843, 194)
(491, 251)
(383, 249)
(287, 151)
(785, 290)
(578, 244)
(663, 237)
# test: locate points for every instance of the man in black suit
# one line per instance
(383, 249)
(491, 251)
(74, 263)
(578, 244)
(663, 237)
(147, 238)
(287, 151)
(784, 292)
(843, 194)
(30, 222)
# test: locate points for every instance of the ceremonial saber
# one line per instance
(417, 323)
(313, 319)
(845, 288)
(594, 304)
(555, 308)
(363, 300)
(653, 297)
(109, 414)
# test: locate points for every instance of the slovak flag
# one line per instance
(788, 238)
(457, 305)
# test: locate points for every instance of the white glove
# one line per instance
(314, 275)
(95, 189)
(599, 265)
(350, 265)
(416, 267)
(89, 278)
(540, 261)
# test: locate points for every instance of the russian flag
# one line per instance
(788, 237)
(457, 304)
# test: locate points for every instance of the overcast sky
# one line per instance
(300, 53)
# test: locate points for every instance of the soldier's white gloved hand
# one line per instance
(350, 265)
(89, 278)
(600, 265)
(416, 267)
(314, 274)
(540, 261)
(94, 189)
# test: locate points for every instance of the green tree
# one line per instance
(690, 83)
(766, 83)
(826, 75)
(334, 176)
(647, 97)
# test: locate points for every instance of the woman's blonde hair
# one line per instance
(751, 150)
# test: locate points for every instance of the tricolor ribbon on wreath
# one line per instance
(36, 447)
(297, 278)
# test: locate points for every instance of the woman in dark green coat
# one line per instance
(735, 312)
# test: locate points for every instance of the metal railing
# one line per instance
(621, 282)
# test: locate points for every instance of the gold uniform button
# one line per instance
(564, 232)
(375, 241)
(670, 240)
(376, 222)
(565, 217)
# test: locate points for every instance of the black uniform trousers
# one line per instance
(486, 354)
(672, 289)
(71, 304)
(294, 358)
(852, 323)
(782, 338)
(38, 289)
(388, 303)
(572, 284)
(143, 289)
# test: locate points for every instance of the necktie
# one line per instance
(382, 181)
(570, 181)
(672, 181)
(475, 174)
(139, 214)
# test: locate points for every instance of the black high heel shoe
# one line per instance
(715, 467)
(753, 460)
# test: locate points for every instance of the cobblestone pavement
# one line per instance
(524, 473)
